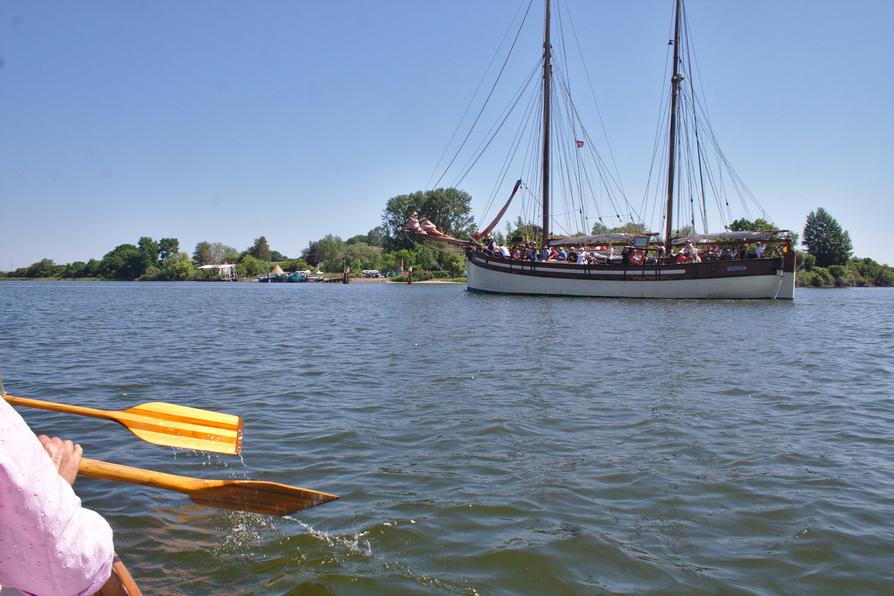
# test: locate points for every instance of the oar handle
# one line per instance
(102, 470)
(55, 407)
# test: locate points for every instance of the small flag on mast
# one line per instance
(579, 143)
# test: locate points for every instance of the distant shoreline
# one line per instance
(354, 281)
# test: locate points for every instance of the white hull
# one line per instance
(497, 277)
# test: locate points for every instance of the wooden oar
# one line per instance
(121, 582)
(270, 498)
(162, 424)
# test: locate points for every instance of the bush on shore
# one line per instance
(857, 272)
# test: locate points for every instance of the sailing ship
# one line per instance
(680, 264)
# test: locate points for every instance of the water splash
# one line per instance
(356, 543)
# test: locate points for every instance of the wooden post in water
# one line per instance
(345, 275)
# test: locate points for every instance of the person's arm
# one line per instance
(49, 544)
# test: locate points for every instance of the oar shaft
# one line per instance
(55, 407)
(107, 471)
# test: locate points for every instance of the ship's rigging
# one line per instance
(568, 186)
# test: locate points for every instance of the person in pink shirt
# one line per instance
(49, 543)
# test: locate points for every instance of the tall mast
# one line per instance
(547, 83)
(672, 151)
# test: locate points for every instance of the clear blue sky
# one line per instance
(225, 120)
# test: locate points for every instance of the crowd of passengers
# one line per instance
(628, 255)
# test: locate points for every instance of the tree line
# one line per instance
(826, 261)
(384, 247)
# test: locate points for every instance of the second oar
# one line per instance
(270, 498)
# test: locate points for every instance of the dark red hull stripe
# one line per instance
(705, 270)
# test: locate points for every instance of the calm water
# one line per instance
(485, 444)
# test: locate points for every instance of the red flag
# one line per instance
(579, 144)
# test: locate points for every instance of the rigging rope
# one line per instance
(489, 95)
(475, 94)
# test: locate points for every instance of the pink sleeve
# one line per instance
(49, 544)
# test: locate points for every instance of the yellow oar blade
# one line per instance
(270, 498)
(188, 428)
(162, 424)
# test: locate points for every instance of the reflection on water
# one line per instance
(482, 443)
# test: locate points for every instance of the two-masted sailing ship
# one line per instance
(629, 261)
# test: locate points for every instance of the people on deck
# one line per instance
(758, 250)
(533, 255)
(692, 253)
(49, 543)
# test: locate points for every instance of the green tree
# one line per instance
(406, 257)
(149, 250)
(176, 268)
(168, 247)
(376, 236)
(75, 269)
(872, 272)
(629, 228)
(311, 254)
(260, 249)
(92, 269)
(332, 253)
(249, 266)
(202, 254)
(122, 262)
(363, 256)
(599, 228)
(686, 230)
(294, 265)
(746, 225)
(388, 262)
(523, 231)
(826, 239)
(806, 261)
(221, 253)
(448, 208)
(42, 268)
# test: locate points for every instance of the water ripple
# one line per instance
(485, 444)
